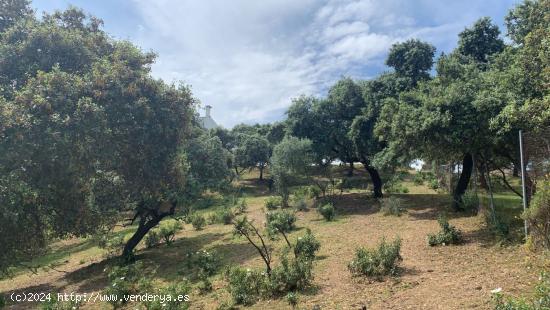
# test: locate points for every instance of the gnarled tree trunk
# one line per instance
(463, 181)
(376, 180)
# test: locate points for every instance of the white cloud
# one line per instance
(249, 58)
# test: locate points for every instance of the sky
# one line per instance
(249, 58)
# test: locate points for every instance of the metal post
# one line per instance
(523, 189)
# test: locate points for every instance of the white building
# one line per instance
(206, 121)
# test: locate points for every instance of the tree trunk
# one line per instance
(350, 169)
(261, 172)
(143, 229)
(515, 171)
(376, 180)
(463, 181)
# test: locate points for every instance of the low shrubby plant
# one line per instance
(433, 184)
(245, 285)
(113, 244)
(540, 300)
(306, 246)
(168, 230)
(290, 275)
(202, 263)
(497, 225)
(223, 215)
(377, 262)
(152, 238)
(273, 202)
(470, 202)
(55, 304)
(392, 206)
(314, 192)
(198, 221)
(126, 280)
(176, 297)
(538, 217)
(280, 222)
(292, 299)
(447, 235)
(242, 206)
(327, 211)
(300, 199)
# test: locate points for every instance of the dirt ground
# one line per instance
(446, 277)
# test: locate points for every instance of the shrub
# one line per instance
(152, 238)
(56, 304)
(126, 280)
(433, 184)
(113, 244)
(245, 285)
(290, 275)
(392, 206)
(497, 225)
(242, 206)
(272, 202)
(447, 235)
(198, 221)
(538, 216)
(168, 230)
(176, 297)
(292, 299)
(470, 202)
(327, 211)
(539, 300)
(376, 262)
(280, 222)
(418, 178)
(314, 192)
(300, 199)
(204, 263)
(307, 246)
(222, 216)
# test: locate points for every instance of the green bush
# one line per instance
(292, 299)
(447, 235)
(540, 300)
(327, 211)
(55, 304)
(418, 178)
(245, 285)
(377, 262)
(538, 216)
(290, 275)
(272, 202)
(280, 222)
(126, 280)
(112, 244)
(314, 192)
(300, 199)
(198, 221)
(222, 216)
(152, 238)
(203, 263)
(392, 206)
(470, 202)
(433, 184)
(307, 246)
(497, 225)
(242, 206)
(168, 230)
(176, 297)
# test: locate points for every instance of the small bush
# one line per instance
(56, 304)
(152, 238)
(168, 230)
(300, 198)
(292, 299)
(448, 234)
(280, 222)
(327, 211)
(242, 206)
(198, 221)
(126, 280)
(176, 297)
(222, 216)
(539, 301)
(314, 192)
(392, 206)
(433, 184)
(538, 216)
(204, 263)
(376, 262)
(470, 202)
(418, 179)
(113, 244)
(245, 285)
(290, 275)
(272, 202)
(497, 225)
(307, 246)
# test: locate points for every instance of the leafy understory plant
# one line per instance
(540, 300)
(198, 221)
(273, 202)
(280, 222)
(392, 206)
(377, 262)
(168, 230)
(152, 238)
(447, 235)
(327, 211)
